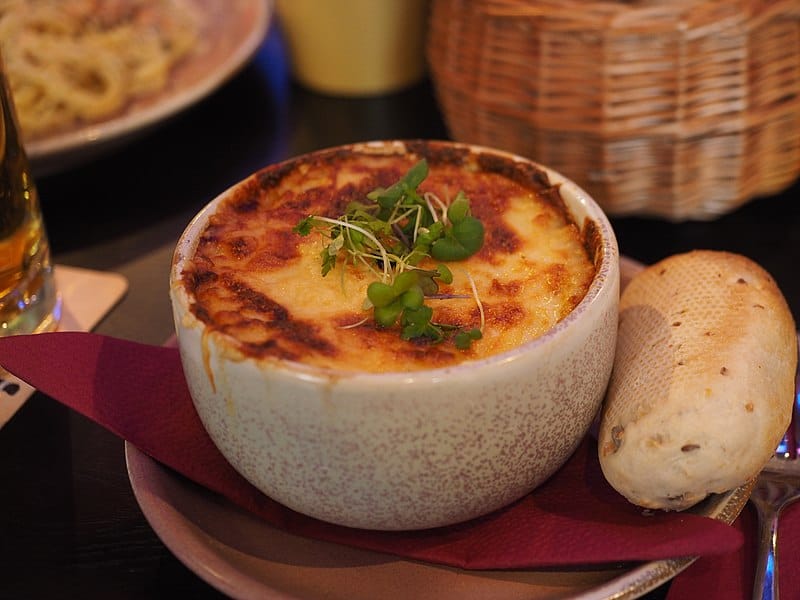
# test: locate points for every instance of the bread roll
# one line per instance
(703, 382)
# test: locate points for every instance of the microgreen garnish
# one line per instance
(390, 233)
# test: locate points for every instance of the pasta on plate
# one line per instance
(72, 62)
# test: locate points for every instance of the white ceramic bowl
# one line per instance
(408, 450)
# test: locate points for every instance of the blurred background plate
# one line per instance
(232, 31)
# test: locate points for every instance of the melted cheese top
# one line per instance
(257, 282)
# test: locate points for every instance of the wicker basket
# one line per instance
(671, 108)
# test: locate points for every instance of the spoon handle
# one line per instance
(766, 576)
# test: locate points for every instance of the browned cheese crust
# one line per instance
(703, 381)
(259, 283)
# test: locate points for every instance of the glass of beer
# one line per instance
(29, 302)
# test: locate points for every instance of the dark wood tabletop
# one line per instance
(70, 526)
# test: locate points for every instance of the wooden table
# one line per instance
(69, 523)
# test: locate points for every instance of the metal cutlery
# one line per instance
(778, 485)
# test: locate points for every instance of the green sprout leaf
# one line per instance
(416, 323)
(459, 208)
(304, 226)
(413, 298)
(392, 232)
(386, 316)
(380, 294)
(404, 281)
(444, 274)
(328, 261)
(463, 339)
(463, 240)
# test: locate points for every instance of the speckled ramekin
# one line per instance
(396, 451)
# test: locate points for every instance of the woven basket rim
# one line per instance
(676, 108)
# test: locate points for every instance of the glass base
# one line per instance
(39, 313)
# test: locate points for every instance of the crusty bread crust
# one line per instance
(703, 381)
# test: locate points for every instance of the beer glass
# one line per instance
(29, 302)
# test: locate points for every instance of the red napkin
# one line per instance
(730, 576)
(575, 518)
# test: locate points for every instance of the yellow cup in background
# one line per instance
(355, 47)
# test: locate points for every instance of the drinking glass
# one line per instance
(29, 302)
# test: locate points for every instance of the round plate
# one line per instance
(244, 557)
(233, 30)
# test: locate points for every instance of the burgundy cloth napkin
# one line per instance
(730, 576)
(138, 392)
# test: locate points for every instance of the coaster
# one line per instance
(86, 297)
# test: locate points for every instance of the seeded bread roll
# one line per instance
(703, 380)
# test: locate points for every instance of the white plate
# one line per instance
(244, 557)
(234, 29)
